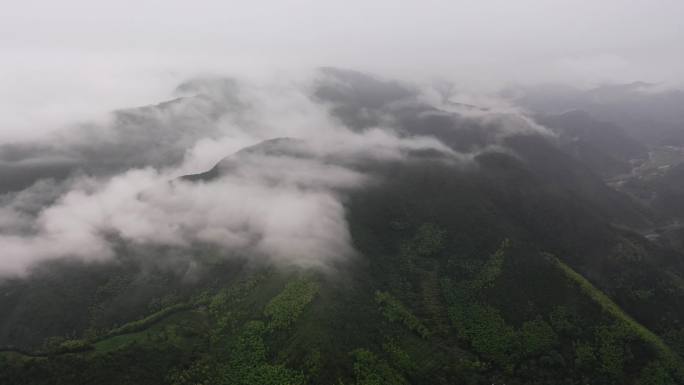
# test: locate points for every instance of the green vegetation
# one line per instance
(246, 365)
(394, 311)
(248, 361)
(399, 357)
(429, 239)
(536, 337)
(491, 269)
(515, 316)
(655, 374)
(286, 307)
(180, 329)
(146, 322)
(606, 348)
(480, 324)
(371, 370)
(626, 325)
(485, 329)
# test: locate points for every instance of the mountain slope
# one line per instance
(499, 259)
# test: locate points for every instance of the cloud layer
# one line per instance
(277, 200)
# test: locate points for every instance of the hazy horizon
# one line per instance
(76, 60)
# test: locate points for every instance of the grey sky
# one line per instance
(76, 59)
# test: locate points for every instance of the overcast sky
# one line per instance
(69, 59)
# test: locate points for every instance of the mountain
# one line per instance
(156, 135)
(629, 134)
(647, 112)
(501, 258)
(602, 146)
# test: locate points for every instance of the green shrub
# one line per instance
(371, 370)
(395, 311)
(536, 337)
(485, 329)
(429, 240)
(585, 358)
(491, 269)
(286, 307)
(399, 357)
(74, 346)
(655, 374)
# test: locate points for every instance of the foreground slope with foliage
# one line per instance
(515, 316)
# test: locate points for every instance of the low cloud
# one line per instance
(279, 198)
(293, 216)
(280, 201)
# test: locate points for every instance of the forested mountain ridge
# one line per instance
(497, 258)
